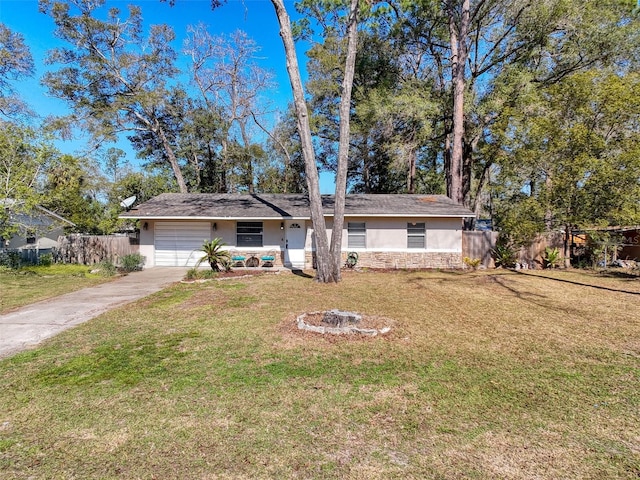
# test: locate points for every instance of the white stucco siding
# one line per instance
(444, 235)
(147, 248)
(390, 234)
(274, 237)
(381, 234)
(225, 230)
(44, 239)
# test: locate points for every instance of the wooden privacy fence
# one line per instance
(91, 249)
(479, 245)
(532, 255)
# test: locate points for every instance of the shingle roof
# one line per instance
(35, 217)
(265, 206)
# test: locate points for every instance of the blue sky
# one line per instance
(256, 17)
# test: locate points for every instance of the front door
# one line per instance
(294, 244)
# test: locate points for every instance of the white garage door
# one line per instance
(177, 244)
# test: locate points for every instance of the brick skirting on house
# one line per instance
(400, 260)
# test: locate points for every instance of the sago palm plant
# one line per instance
(215, 254)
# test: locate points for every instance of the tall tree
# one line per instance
(144, 185)
(459, 16)
(194, 133)
(328, 259)
(200, 137)
(572, 157)
(16, 63)
(71, 189)
(114, 164)
(25, 157)
(394, 113)
(323, 260)
(231, 82)
(344, 139)
(113, 78)
(283, 170)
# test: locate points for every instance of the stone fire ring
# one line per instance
(337, 322)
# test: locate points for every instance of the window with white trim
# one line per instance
(357, 235)
(249, 234)
(416, 235)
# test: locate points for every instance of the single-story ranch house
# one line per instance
(386, 231)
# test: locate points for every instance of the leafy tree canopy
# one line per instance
(16, 63)
(25, 157)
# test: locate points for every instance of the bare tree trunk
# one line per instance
(343, 145)
(223, 167)
(467, 172)
(366, 173)
(172, 160)
(249, 164)
(196, 169)
(548, 214)
(458, 33)
(323, 258)
(567, 246)
(411, 178)
(447, 159)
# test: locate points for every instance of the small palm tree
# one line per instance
(504, 255)
(215, 254)
(551, 257)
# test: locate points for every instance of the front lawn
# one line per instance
(485, 375)
(32, 284)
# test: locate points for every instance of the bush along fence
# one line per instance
(483, 246)
(534, 255)
(17, 257)
(93, 249)
(479, 245)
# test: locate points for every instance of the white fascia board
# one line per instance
(402, 250)
(326, 215)
(207, 219)
(404, 215)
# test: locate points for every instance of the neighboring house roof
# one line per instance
(38, 217)
(205, 206)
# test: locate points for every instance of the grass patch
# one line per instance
(34, 283)
(125, 364)
(485, 375)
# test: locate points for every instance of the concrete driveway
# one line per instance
(30, 325)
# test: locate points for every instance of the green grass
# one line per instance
(32, 284)
(484, 375)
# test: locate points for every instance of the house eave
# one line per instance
(203, 218)
(326, 215)
(407, 215)
(56, 216)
